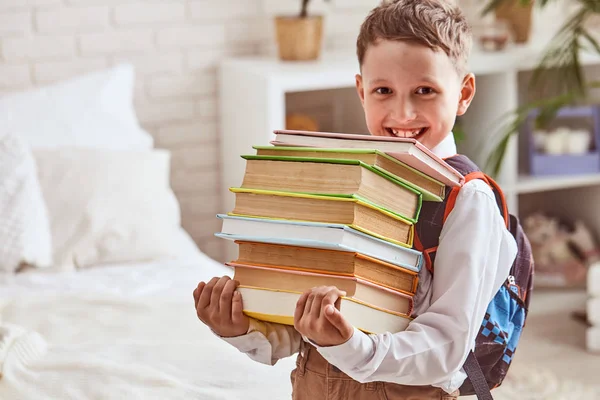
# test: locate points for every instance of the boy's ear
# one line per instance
(360, 88)
(467, 92)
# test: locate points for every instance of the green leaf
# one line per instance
(558, 75)
(591, 40)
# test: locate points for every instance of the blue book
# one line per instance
(317, 235)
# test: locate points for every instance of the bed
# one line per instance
(97, 300)
(124, 331)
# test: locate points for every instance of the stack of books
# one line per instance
(326, 209)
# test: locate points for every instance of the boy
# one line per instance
(413, 83)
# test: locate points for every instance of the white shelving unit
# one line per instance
(253, 93)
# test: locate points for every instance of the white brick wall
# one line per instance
(175, 46)
(14, 76)
(15, 23)
(136, 40)
(35, 48)
(51, 71)
(190, 36)
(212, 10)
(81, 19)
(145, 13)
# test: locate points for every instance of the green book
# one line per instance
(334, 178)
(350, 211)
(430, 188)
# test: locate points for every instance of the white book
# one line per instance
(317, 235)
(278, 306)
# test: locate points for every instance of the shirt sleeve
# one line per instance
(473, 259)
(267, 343)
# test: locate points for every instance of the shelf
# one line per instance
(536, 184)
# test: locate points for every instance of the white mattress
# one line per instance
(124, 331)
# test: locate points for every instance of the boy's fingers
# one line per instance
(334, 316)
(204, 299)
(299, 311)
(216, 292)
(308, 305)
(226, 299)
(197, 292)
(333, 297)
(315, 309)
(237, 308)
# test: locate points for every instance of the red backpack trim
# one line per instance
(426, 252)
(491, 183)
(450, 203)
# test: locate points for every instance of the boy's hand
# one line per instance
(317, 317)
(219, 306)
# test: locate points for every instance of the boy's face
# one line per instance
(409, 90)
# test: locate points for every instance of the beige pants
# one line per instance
(315, 379)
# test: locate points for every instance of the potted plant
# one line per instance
(299, 37)
(558, 75)
(517, 14)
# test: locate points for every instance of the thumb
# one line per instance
(335, 317)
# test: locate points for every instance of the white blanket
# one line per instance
(127, 332)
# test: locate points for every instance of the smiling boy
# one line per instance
(413, 82)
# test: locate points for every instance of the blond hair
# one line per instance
(437, 24)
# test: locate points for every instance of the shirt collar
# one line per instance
(446, 148)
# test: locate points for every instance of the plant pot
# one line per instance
(518, 17)
(299, 39)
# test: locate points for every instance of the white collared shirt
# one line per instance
(473, 260)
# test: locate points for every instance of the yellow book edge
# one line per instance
(297, 269)
(313, 196)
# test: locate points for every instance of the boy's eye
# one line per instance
(425, 90)
(383, 90)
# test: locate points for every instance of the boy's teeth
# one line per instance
(406, 134)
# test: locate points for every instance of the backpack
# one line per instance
(501, 328)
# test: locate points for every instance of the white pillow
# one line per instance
(25, 238)
(108, 206)
(92, 110)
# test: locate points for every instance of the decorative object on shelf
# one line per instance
(518, 15)
(492, 36)
(299, 38)
(301, 122)
(566, 150)
(559, 72)
(562, 251)
(562, 140)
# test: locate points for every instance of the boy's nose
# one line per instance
(403, 111)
